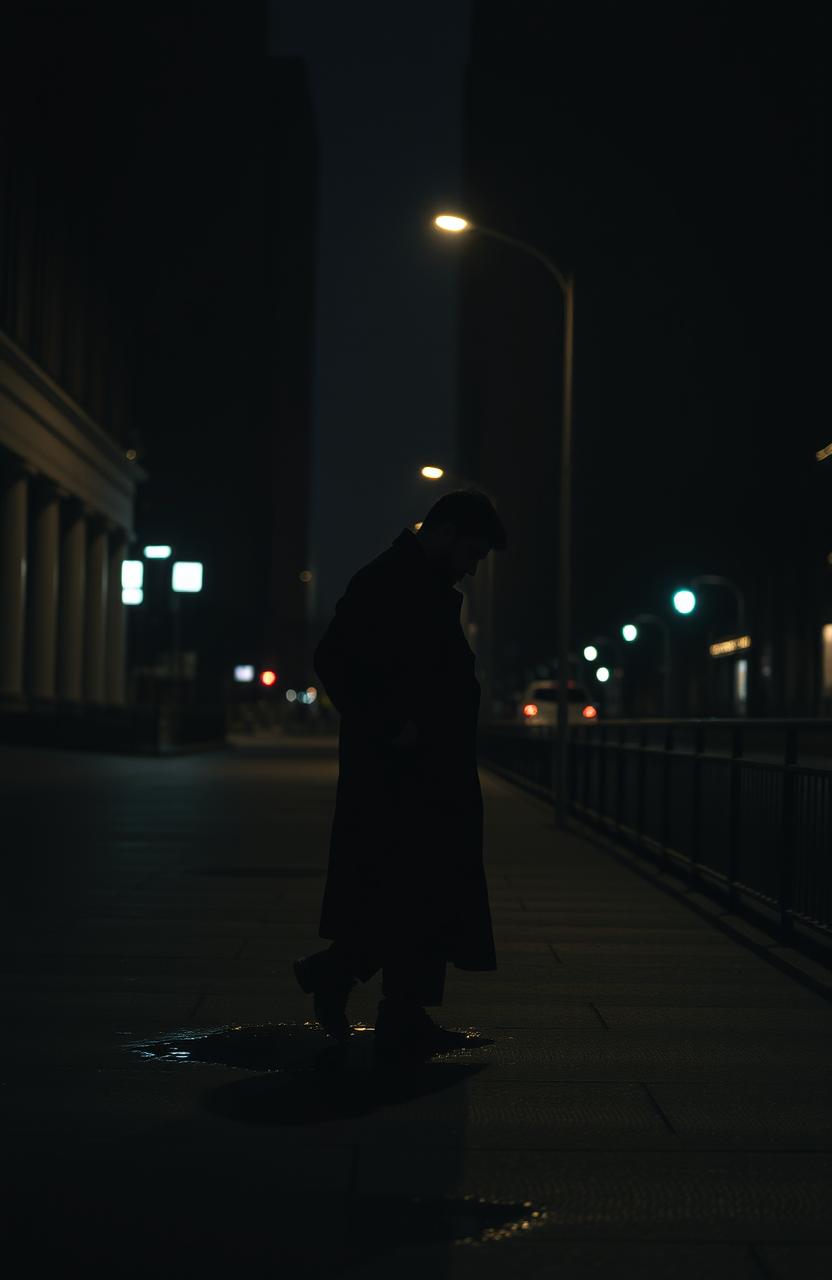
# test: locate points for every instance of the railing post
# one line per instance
(666, 763)
(787, 837)
(735, 784)
(641, 761)
(619, 783)
(600, 807)
(696, 807)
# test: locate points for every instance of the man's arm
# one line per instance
(365, 660)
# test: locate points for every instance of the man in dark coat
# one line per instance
(405, 890)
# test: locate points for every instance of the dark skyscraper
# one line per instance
(673, 165)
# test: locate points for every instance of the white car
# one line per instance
(540, 704)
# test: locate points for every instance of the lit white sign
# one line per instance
(158, 553)
(187, 575)
(244, 674)
(132, 574)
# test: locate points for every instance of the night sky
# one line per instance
(387, 84)
(689, 147)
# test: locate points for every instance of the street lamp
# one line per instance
(630, 633)
(606, 645)
(436, 473)
(455, 224)
(684, 601)
(716, 580)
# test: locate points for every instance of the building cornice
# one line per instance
(44, 427)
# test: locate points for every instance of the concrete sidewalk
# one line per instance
(642, 1095)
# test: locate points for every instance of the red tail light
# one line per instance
(589, 712)
(529, 710)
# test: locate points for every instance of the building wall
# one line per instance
(675, 168)
(67, 482)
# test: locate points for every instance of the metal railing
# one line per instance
(741, 809)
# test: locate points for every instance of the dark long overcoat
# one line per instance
(405, 861)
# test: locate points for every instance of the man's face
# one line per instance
(465, 554)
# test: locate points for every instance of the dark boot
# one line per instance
(404, 1031)
(323, 976)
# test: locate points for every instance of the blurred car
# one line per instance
(539, 704)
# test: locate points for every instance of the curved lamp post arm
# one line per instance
(652, 619)
(550, 266)
(716, 580)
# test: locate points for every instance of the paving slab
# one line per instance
(641, 1094)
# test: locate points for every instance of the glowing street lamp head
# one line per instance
(684, 601)
(590, 653)
(450, 222)
(432, 473)
(602, 675)
(629, 632)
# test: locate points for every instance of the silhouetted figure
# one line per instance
(406, 890)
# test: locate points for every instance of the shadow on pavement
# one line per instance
(319, 1081)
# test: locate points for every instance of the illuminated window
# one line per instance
(827, 659)
(741, 683)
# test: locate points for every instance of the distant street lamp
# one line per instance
(185, 579)
(607, 645)
(716, 580)
(630, 633)
(684, 601)
(454, 224)
(436, 473)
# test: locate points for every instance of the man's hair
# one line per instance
(469, 511)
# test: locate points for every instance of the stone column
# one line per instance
(95, 614)
(14, 499)
(116, 655)
(43, 623)
(72, 593)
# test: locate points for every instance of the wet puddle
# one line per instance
(282, 1046)
(398, 1221)
(304, 1078)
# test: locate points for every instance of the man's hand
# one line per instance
(408, 736)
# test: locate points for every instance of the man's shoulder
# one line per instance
(398, 568)
(380, 574)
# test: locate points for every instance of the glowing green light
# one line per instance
(684, 601)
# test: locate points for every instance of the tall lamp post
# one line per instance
(438, 473)
(630, 633)
(566, 284)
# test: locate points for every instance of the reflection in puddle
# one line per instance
(397, 1222)
(281, 1046)
(303, 1078)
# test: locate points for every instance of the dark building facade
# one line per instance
(68, 469)
(228, 168)
(673, 165)
(157, 231)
